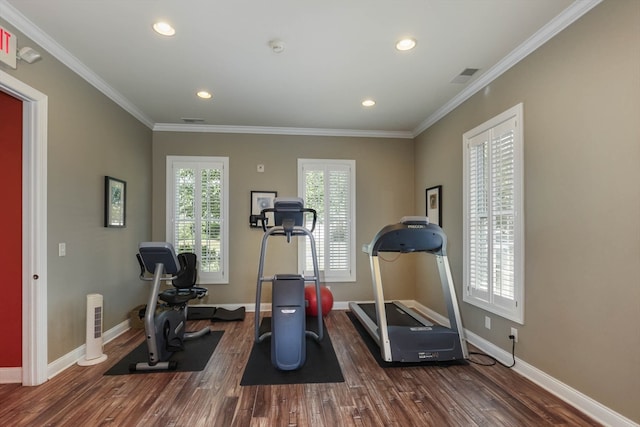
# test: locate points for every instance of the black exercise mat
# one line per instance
(321, 365)
(215, 314)
(224, 315)
(374, 349)
(196, 312)
(193, 358)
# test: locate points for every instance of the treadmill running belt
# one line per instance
(395, 315)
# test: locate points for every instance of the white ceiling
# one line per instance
(337, 53)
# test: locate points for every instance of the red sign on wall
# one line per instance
(8, 46)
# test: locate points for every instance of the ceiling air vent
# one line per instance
(465, 75)
(192, 120)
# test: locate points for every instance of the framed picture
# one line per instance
(115, 202)
(434, 205)
(261, 200)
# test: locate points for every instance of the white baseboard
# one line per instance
(340, 305)
(71, 358)
(10, 375)
(584, 403)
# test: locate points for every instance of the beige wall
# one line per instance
(88, 137)
(581, 95)
(384, 186)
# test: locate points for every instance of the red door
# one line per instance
(11, 223)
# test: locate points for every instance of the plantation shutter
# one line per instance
(184, 223)
(314, 197)
(195, 216)
(211, 219)
(493, 223)
(327, 187)
(338, 224)
(479, 216)
(503, 213)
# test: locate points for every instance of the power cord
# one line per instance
(493, 359)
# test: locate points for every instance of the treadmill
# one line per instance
(402, 334)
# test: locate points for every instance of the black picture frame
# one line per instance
(115, 202)
(434, 204)
(261, 200)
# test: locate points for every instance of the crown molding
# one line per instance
(15, 18)
(266, 130)
(553, 27)
(576, 10)
(29, 29)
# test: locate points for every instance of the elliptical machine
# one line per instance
(288, 320)
(165, 331)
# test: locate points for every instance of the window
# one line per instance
(197, 212)
(493, 216)
(328, 186)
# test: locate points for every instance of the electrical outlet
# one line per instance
(62, 249)
(487, 322)
(514, 332)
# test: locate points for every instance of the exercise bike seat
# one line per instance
(185, 288)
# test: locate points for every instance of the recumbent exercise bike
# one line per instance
(165, 331)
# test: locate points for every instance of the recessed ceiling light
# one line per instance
(164, 28)
(406, 44)
(368, 103)
(204, 94)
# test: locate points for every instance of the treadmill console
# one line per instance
(411, 234)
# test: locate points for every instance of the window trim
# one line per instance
(516, 313)
(221, 277)
(333, 277)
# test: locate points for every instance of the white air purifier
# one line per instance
(93, 353)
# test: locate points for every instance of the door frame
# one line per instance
(34, 228)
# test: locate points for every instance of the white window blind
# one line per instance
(328, 186)
(493, 220)
(197, 209)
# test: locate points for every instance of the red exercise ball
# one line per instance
(326, 300)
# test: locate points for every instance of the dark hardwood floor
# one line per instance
(467, 395)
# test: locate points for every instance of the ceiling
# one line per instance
(336, 54)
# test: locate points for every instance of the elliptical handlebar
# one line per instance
(289, 213)
(284, 225)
